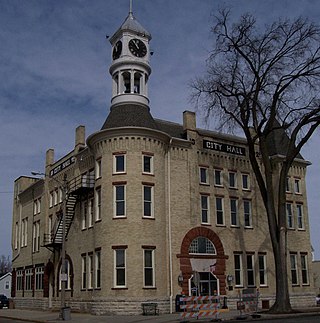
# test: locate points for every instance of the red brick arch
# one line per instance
(185, 264)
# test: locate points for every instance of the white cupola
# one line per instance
(130, 68)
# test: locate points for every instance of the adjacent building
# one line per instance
(152, 209)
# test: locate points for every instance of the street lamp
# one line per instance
(63, 275)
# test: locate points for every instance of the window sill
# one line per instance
(233, 188)
(98, 220)
(120, 173)
(148, 174)
(263, 286)
(119, 288)
(248, 227)
(219, 186)
(302, 229)
(119, 217)
(220, 225)
(235, 226)
(206, 224)
(91, 227)
(148, 218)
(151, 287)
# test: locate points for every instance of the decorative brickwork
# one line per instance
(185, 263)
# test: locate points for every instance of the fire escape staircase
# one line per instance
(77, 187)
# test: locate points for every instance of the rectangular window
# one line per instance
(39, 278)
(149, 280)
(119, 201)
(293, 267)
(147, 164)
(19, 279)
(262, 270)
(232, 180)
(36, 236)
(300, 216)
(16, 235)
(205, 211)
(289, 215)
(98, 204)
(238, 270)
(90, 212)
(203, 172)
(234, 212)
(219, 211)
(247, 213)
(84, 216)
(304, 270)
(90, 270)
(288, 185)
(119, 163)
(250, 270)
(84, 272)
(51, 199)
(297, 188)
(147, 201)
(98, 269)
(98, 168)
(245, 182)
(217, 177)
(24, 232)
(120, 267)
(28, 279)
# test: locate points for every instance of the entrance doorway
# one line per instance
(203, 284)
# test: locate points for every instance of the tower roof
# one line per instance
(131, 24)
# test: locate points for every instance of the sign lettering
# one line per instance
(226, 148)
(62, 166)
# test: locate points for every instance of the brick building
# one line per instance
(152, 209)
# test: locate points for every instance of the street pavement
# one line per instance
(52, 317)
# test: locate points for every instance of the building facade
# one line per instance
(152, 209)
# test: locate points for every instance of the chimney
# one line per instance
(49, 157)
(189, 120)
(80, 138)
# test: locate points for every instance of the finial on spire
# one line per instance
(130, 9)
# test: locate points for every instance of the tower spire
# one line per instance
(130, 8)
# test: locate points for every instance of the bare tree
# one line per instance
(265, 82)
(5, 265)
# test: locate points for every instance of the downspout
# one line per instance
(169, 225)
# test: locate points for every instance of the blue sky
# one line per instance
(54, 62)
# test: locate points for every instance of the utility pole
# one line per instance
(63, 276)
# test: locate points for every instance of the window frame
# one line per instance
(251, 279)
(234, 214)
(98, 165)
(116, 158)
(83, 271)
(304, 269)
(149, 157)
(148, 203)
(90, 270)
(97, 204)
(247, 215)
(203, 175)
(218, 183)
(205, 209)
(97, 267)
(117, 201)
(300, 217)
(218, 210)
(297, 186)
(28, 279)
(290, 218)
(234, 175)
(118, 268)
(39, 278)
(149, 268)
(262, 270)
(238, 271)
(247, 176)
(294, 269)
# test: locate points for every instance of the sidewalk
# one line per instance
(53, 317)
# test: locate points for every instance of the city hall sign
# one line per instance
(226, 148)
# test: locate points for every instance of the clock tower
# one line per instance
(130, 68)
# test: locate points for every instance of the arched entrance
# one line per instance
(202, 263)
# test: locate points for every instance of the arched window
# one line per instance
(137, 80)
(126, 82)
(202, 245)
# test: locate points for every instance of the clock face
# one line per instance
(117, 49)
(137, 47)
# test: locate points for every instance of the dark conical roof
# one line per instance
(129, 115)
